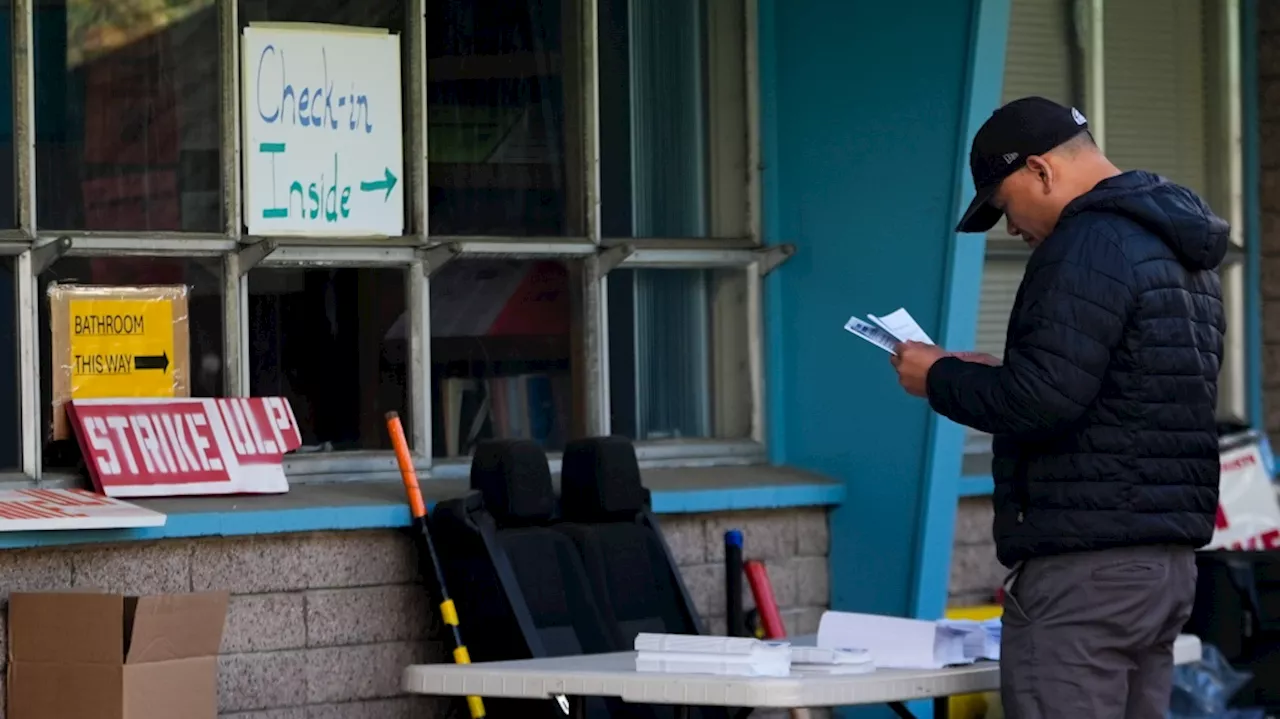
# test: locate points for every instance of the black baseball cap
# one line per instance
(1025, 127)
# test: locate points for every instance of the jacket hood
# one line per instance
(1177, 215)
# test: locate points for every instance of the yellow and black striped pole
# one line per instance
(418, 508)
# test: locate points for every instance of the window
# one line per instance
(328, 340)
(678, 360)
(673, 154)
(10, 417)
(505, 118)
(8, 219)
(1157, 86)
(502, 354)
(579, 253)
(673, 123)
(128, 126)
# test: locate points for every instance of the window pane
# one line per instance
(127, 115)
(387, 14)
(673, 118)
(679, 360)
(504, 118)
(502, 353)
(8, 218)
(89, 361)
(10, 406)
(331, 340)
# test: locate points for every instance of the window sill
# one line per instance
(381, 504)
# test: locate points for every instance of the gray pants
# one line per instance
(1091, 634)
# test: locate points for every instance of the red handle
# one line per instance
(762, 591)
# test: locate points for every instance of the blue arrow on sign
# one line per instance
(386, 183)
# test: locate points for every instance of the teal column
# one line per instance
(866, 113)
(984, 85)
(1249, 96)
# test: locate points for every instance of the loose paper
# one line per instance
(899, 643)
(889, 330)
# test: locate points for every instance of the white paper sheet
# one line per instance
(872, 333)
(902, 325)
(887, 331)
(894, 643)
(899, 643)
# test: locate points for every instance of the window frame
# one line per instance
(1223, 140)
(417, 253)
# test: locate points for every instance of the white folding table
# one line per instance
(614, 675)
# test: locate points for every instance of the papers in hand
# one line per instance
(889, 330)
(897, 643)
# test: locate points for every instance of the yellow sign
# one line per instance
(121, 347)
(110, 341)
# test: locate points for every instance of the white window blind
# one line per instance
(1157, 117)
(1154, 62)
(1037, 62)
(1000, 279)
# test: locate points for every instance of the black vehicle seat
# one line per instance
(519, 586)
(637, 582)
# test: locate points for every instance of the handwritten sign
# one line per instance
(323, 144)
(168, 447)
(117, 342)
(39, 509)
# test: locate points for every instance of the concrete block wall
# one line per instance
(1269, 194)
(321, 624)
(975, 573)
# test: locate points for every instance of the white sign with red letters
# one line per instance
(162, 446)
(23, 510)
(1248, 511)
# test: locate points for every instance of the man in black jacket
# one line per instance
(1102, 410)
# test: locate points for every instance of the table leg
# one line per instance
(578, 707)
(941, 709)
(901, 711)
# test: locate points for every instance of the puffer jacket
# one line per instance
(1103, 411)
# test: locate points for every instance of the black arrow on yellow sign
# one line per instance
(160, 361)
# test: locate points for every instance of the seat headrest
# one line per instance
(513, 478)
(600, 480)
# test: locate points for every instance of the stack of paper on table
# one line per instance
(897, 643)
(836, 662)
(887, 331)
(724, 656)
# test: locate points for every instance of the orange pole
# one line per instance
(417, 507)
(408, 474)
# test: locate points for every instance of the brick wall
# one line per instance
(321, 625)
(975, 573)
(1269, 150)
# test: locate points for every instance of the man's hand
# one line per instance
(912, 361)
(978, 357)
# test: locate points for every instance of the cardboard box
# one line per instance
(108, 341)
(107, 656)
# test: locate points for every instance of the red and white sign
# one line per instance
(163, 446)
(1248, 511)
(23, 510)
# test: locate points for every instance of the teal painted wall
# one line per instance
(988, 38)
(865, 110)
